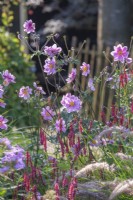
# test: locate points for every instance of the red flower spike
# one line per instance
(43, 139)
(72, 189)
(131, 107)
(80, 127)
(28, 159)
(57, 189)
(103, 116)
(121, 120)
(67, 148)
(71, 136)
(90, 125)
(26, 182)
(84, 151)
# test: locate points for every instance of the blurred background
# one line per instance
(103, 22)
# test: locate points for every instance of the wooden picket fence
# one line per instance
(102, 96)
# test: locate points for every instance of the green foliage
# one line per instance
(7, 14)
(13, 58)
(125, 197)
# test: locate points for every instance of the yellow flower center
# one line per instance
(25, 92)
(47, 114)
(120, 52)
(85, 68)
(1, 101)
(93, 141)
(71, 103)
(5, 82)
(51, 66)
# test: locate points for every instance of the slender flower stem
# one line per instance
(64, 37)
(45, 43)
(80, 49)
(43, 74)
(130, 47)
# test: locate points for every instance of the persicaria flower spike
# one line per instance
(123, 79)
(29, 26)
(60, 125)
(57, 190)
(131, 107)
(8, 78)
(71, 103)
(71, 136)
(52, 50)
(64, 181)
(47, 113)
(43, 139)
(50, 66)
(25, 92)
(26, 180)
(71, 76)
(62, 146)
(85, 68)
(72, 189)
(120, 53)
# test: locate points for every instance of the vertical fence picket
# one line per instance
(131, 52)
(110, 102)
(86, 52)
(96, 93)
(103, 88)
(92, 60)
(73, 49)
(78, 67)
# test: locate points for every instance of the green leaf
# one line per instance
(2, 192)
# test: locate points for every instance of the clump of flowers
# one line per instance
(71, 103)
(13, 157)
(5, 142)
(8, 78)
